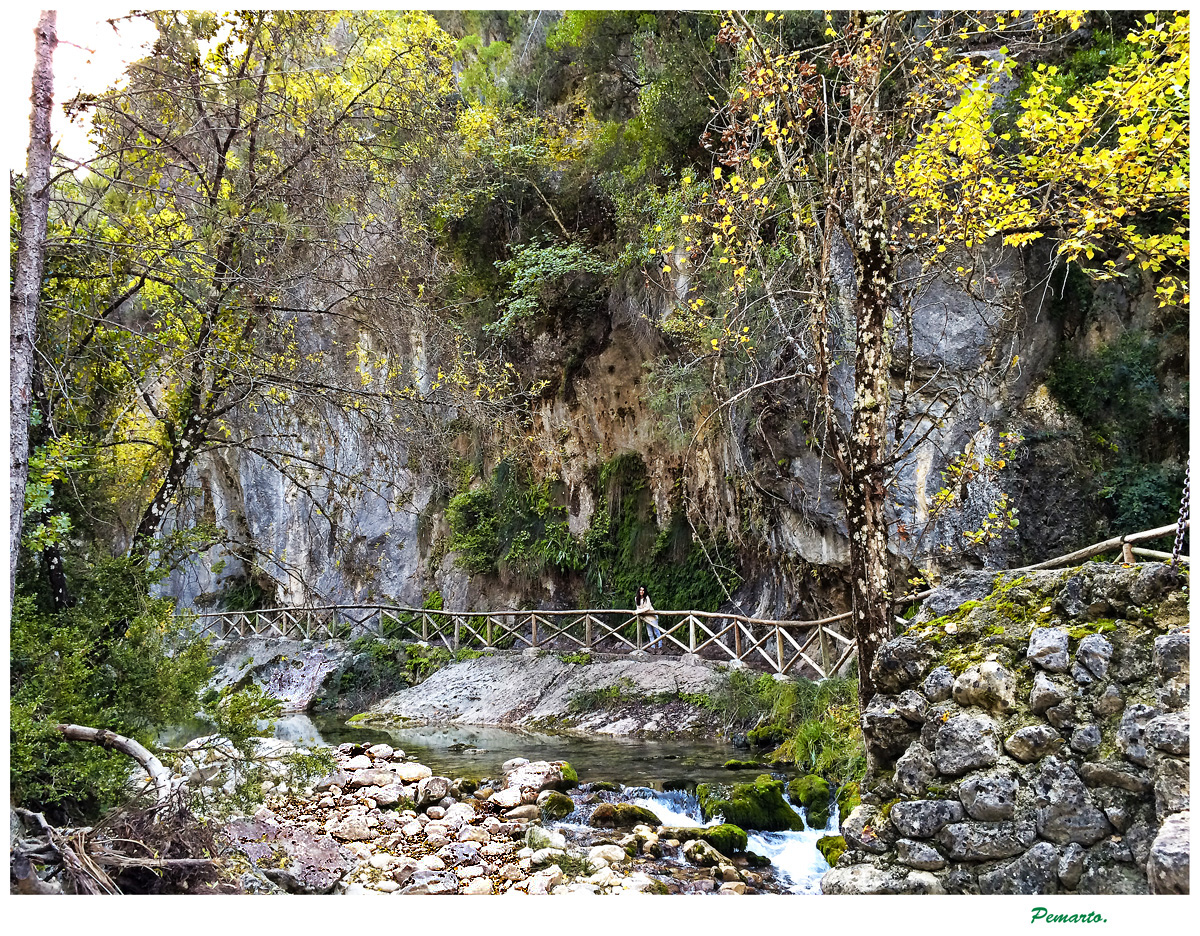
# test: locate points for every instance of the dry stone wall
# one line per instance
(1032, 737)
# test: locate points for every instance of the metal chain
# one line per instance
(1183, 513)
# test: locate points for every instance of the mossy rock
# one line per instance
(759, 805)
(848, 798)
(466, 786)
(742, 765)
(569, 777)
(726, 838)
(557, 806)
(831, 848)
(815, 795)
(623, 816)
(603, 786)
(756, 860)
(767, 736)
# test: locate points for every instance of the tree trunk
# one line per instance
(151, 764)
(27, 279)
(866, 494)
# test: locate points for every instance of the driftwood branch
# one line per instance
(159, 775)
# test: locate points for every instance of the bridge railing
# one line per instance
(782, 646)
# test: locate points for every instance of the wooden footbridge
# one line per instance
(808, 648)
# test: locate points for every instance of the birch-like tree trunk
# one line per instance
(27, 279)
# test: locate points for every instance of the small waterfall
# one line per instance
(798, 864)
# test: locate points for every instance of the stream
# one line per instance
(650, 772)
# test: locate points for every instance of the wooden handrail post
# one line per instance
(587, 631)
(737, 639)
(488, 630)
(533, 629)
(638, 630)
(779, 646)
(691, 633)
(425, 626)
(824, 651)
(457, 627)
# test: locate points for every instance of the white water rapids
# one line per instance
(797, 862)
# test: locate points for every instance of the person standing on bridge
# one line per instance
(644, 607)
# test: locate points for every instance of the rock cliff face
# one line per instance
(1032, 738)
(979, 366)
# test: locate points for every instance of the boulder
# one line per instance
(352, 829)
(412, 772)
(1033, 742)
(1172, 787)
(1048, 649)
(359, 762)
(924, 818)
(990, 797)
(901, 663)
(1131, 734)
(538, 838)
(533, 777)
(372, 777)
(1085, 739)
(886, 731)
(1107, 773)
(1045, 693)
(915, 770)
(920, 855)
(1171, 655)
(867, 830)
(431, 882)
(1169, 863)
(382, 751)
(987, 685)
(699, 852)
(815, 795)
(759, 806)
(555, 805)
(291, 856)
(966, 742)
(1065, 811)
(607, 854)
(726, 838)
(938, 685)
(431, 790)
(459, 853)
(1070, 865)
(623, 816)
(1094, 653)
(1035, 872)
(984, 841)
(861, 879)
(1169, 733)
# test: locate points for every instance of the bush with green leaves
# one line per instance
(114, 660)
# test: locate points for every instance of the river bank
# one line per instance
(384, 823)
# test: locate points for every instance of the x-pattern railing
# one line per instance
(783, 646)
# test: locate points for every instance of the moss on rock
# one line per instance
(742, 765)
(814, 794)
(557, 806)
(623, 816)
(726, 838)
(848, 797)
(831, 848)
(767, 736)
(759, 805)
(603, 786)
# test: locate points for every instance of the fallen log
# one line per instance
(159, 775)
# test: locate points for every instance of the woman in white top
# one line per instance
(646, 609)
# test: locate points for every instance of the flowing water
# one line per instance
(798, 864)
(652, 773)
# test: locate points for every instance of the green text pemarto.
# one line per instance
(1041, 913)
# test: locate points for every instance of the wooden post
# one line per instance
(488, 631)
(824, 651)
(737, 639)
(457, 626)
(425, 626)
(638, 631)
(533, 629)
(587, 631)
(779, 646)
(691, 633)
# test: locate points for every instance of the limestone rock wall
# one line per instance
(1032, 737)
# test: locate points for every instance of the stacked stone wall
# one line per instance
(1032, 737)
